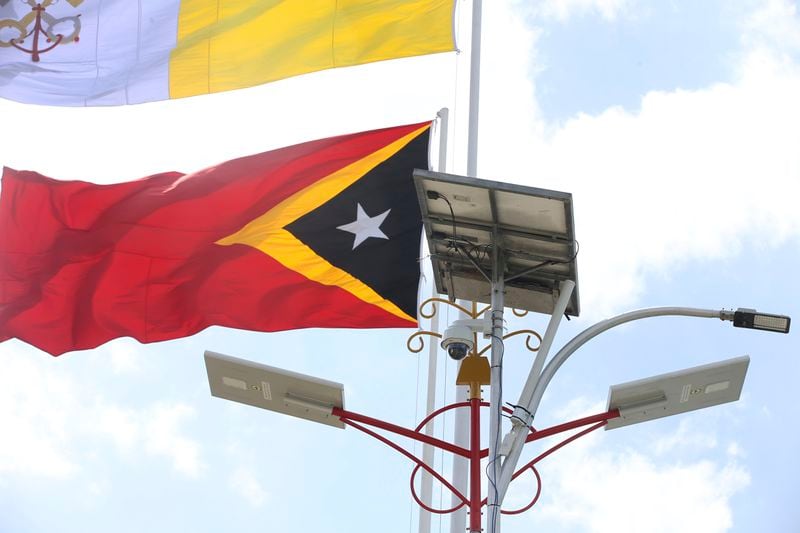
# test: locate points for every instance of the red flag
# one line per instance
(321, 234)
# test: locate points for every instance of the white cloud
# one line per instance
(98, 489)
(247, 485)
(162, 436)
(509, 115)
(52, 424)
(597, 485)
(579, 407)
(596, 482)
(35, 410)
(121, 425)
(124, 359)
(690, 176)
(774, 23)
(735, 450)
(156, 429)
(651, 483)
(687, 438)
(562, 10)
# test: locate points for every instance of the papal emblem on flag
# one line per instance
(321, 234)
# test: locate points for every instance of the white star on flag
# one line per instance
(365, 226)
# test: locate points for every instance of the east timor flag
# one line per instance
(321, 234)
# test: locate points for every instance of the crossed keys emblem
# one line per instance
(39, 24)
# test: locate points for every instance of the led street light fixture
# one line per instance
(677, 392)
(274, 389)
(752, 319)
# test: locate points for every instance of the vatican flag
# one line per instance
(115, 52)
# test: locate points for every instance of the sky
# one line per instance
(675, 126)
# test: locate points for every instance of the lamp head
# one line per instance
(752, 319)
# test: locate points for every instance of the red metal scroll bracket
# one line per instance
(410, 455)
(474, 454)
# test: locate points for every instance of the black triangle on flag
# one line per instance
(372, 229)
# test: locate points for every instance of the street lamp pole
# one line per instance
(496, 392)
(322, 401)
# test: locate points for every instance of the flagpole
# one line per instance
(492, 509)
(426, 489)
(474, 90)
(426, 484)
(460, 466)
(461, 429)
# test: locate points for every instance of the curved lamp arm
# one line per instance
(595, 330)
(518, 436)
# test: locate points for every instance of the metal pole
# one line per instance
(565, 293)
(474, 89)
(444, 124)
(475, 499)
(426, 484)
(496, 384)
(426, 490)
(579, 340)
(522, 418)
(461, 435)
(595, 330)
(472, 170)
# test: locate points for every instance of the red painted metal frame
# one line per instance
(441, 410)
(426, 507)
(475, 464)
(542, 433)
(474, 454)
(544, 454)
(557, 446)
(560, 428)
(348, 416)
(411, 456)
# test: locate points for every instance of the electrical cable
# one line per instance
(454, 244)
(435, 195)
(549, 262)
(514, 417)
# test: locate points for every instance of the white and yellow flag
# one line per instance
(114, 52)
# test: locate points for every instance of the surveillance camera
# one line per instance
(457, 350)
(457, 341)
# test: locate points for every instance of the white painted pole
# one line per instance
(579, 340)
(496, 396)
(474, 89)
(565, 293)
(426, 489)
(458, 519)
(493, 510)
(522, 418)
(589, 333)
(444, 124)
